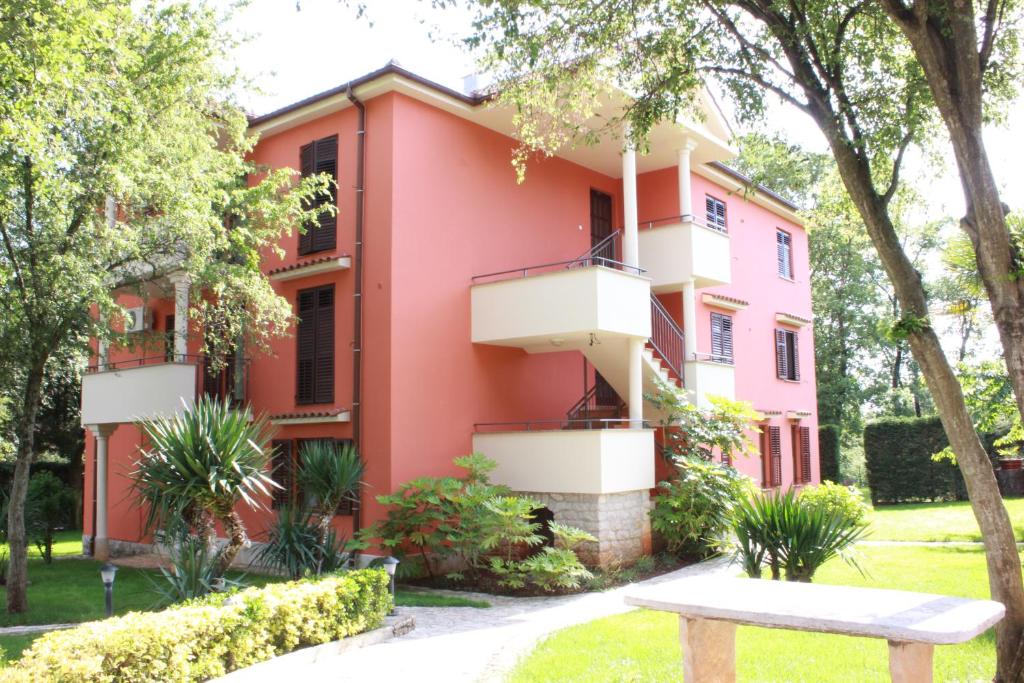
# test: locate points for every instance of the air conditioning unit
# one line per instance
(135, 319)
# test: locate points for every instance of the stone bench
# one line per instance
(710, 608)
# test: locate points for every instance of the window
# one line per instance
(787, 359)
(801, 455)
(771, 457)
(320, 156)
(721, 338)
(315, 342)
(715, 213)
(784, 253)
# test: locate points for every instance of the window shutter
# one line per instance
(306, 346)
(796, 358)
(721, 338)
(727, 338)
(323, 368)
(307, 165)
(775, 443)
(325, 237)
(794, 440)
(783, 244)
(805, 455)
(281, 464)
(781, 362)
(716, 335)
(766, 470)
(714, 211)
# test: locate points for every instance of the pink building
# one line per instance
(448, 309)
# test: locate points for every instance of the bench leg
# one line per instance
(910, 662)
(709, 650)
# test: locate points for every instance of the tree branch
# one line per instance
(897, 164)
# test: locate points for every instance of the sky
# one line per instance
(293, 53)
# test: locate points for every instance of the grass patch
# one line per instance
(952, 521)
(644, 645)
(65, 543)
(423, 599)
(13, 646)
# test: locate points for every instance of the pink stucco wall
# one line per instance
(443, 205)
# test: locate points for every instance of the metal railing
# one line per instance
(603, 254)
(585, 408)
(713, 358)
(229, 382)
(666, 338)
(673, 220)
(554, 425)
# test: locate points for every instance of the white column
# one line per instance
(636, 382)
(630, 238)
(689, 321)
(181, 287)
(101, 542)
(685, 183)
(102, 355)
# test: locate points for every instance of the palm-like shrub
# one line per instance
(793, 535)
(329, 474)
(294, 545)
(199, 466)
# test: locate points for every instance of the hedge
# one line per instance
(209, 637)
(828, 452)
(898, 455)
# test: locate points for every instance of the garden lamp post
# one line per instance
(390, 565)
(107, 573)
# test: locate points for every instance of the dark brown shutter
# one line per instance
(794, 439)
(721, 338)
(323, 368)
(306, 346)
(805, 455)
(307, 164)
(781, 362)
(766, 470)
(775, 446)
(282, 466)
(795, 370)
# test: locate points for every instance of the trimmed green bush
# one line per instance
(898, 453)
(828, 452)
(211, 636)
(832, 497)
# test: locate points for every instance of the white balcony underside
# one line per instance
(133, 394)
(571, 461)
(674, 254)
(704, 379)
(552, 310)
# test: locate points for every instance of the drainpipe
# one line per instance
(357, 315)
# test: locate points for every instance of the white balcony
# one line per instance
(675, 252)
(708, 378)
(591, 461)
(137, 393)
(560, 308)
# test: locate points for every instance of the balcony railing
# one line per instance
(604, 254)
(674, 220)
(666, 338)
(549, 425)
(229, 383)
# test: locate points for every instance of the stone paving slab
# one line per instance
(33, 628)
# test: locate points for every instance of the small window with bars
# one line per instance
(721, 338)
(787, 355)
(784, 253)
(715, 213)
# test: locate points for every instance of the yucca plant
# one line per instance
(199, 466)
(292, 543)
(792, 535)
(193, 572)
(329, 474)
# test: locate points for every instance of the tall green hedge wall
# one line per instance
(828, 452)
(898, 453)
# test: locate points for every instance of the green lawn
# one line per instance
(935, 521)
(644, 645)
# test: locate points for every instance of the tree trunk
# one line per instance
(237, 539)
(1004, 568)
(17, 571)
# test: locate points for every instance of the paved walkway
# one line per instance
(455, 644)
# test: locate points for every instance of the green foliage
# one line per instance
(193, 571)
(833, 497)
(49, 507)
(212, 636)
(829, 440)
(693, 511)
(900, 466)
(792, 535)
(295, 546)
(329, 474)
(550, 569)
(200, 465)
(688, 431)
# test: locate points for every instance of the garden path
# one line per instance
(454, 644)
